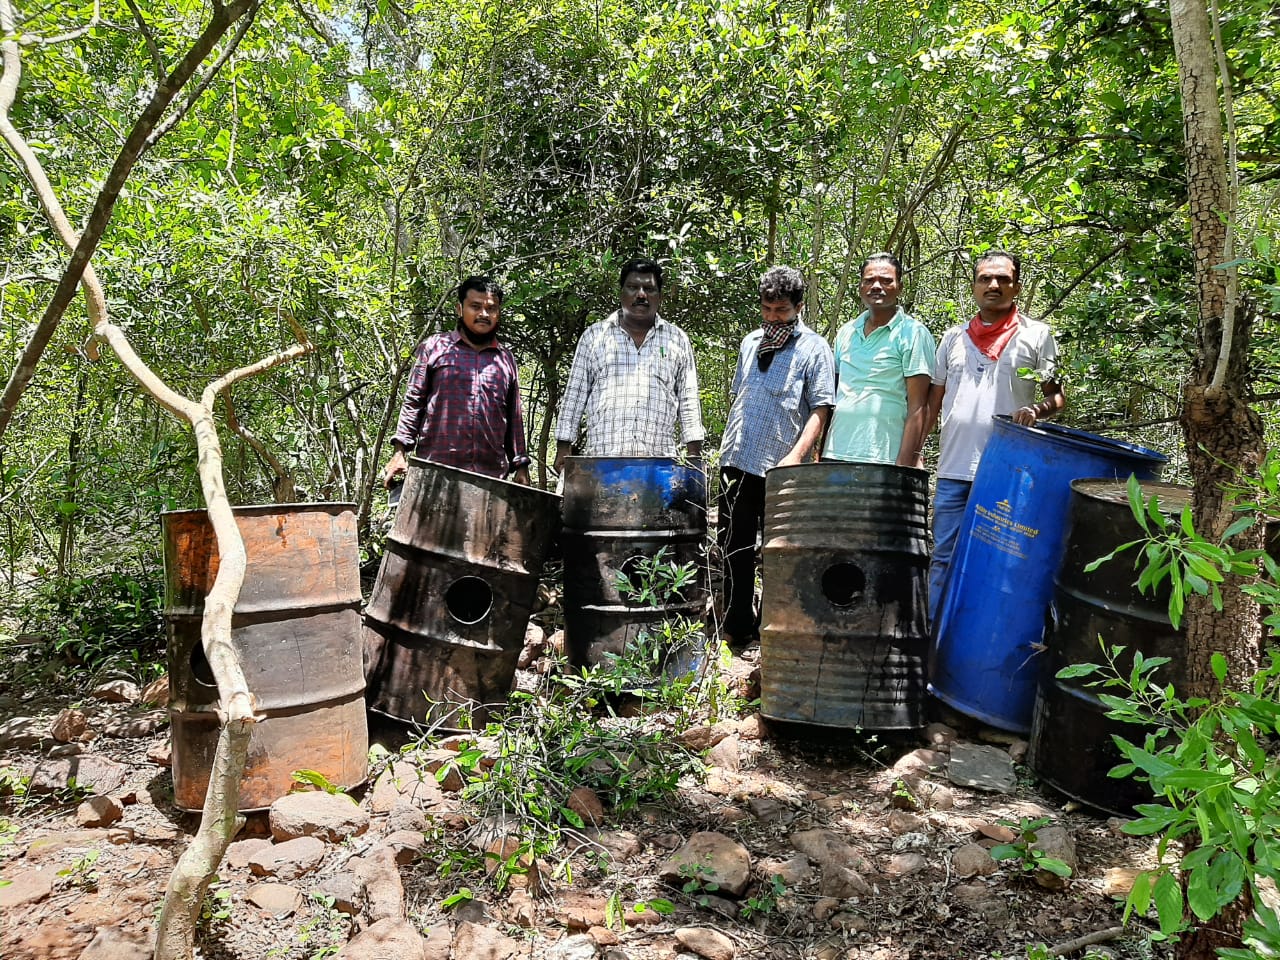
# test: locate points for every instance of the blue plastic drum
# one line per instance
(990, 630)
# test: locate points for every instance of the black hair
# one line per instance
(883, 257)
(640, 265)
(782, 283)
(482, 284)
(997, 254)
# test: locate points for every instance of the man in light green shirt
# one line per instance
(884, 359)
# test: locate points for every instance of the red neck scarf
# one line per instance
(992, 338)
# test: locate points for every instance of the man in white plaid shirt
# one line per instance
(633, 377)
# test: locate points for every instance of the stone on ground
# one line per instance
(710, 858)
(99, 811)
(111, 943)
(347, 891)
(69, 725)
(706, 942)
(474, 942)
(329, 816)
(384, 890)
(278, 899)
(19, 733)
(402, 782)
(289, 860)
(1054, 841)
(88, 773)
(578, 946)
(981, 767)
(584, 802)
(156, 692)
(972, 860)
(117, 691)
(26, 886)
(387, 939)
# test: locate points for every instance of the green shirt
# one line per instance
(871, 386)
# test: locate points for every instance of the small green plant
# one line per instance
(699, 882)
(1172, 551)
(904, 793)
(314, 778)
(1023, 850)
(1216, 785)
(216, 906)
(327, 928)
(460, 896)
(615, 914)
(81, 874)
(765, 900)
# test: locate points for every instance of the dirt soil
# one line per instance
(894, 888)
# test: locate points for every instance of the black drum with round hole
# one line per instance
(620, 515)
(447, 618)
(844, 632)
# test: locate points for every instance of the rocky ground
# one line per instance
(770, 845)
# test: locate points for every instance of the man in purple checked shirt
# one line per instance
(462, 405)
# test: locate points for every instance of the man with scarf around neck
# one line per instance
(462, 405)
(633, 377)
(884, 359)
(975, 378)
(783, 391)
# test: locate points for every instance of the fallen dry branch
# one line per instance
(1068, 947)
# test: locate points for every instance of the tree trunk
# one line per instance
(1223, 435)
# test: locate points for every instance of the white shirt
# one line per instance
(631, 395)
(979, 388)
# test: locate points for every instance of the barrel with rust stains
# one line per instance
(296, 627)
(1071, 746)
(619, 512)
(448, 614)
(844, 633)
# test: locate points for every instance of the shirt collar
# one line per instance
(616, 319)
(893, 321)
(455, 337)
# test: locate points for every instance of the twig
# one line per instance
(1088, 940)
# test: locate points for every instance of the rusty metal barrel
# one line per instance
(448, 614)
(619, 512)
(1071, 745)
(296, 627)
(844, 633)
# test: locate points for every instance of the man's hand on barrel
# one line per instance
(1025, 416)
(396, 468)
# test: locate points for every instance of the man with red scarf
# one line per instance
(976, 377)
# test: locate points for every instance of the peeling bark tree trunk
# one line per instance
(1223, 435)
(175, 936)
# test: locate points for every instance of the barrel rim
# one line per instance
(1081, 487)
(1070, 436)
(480, 479)
(906, 471)
(253, 509)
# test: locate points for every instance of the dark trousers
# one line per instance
(741, 522)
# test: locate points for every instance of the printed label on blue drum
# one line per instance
(998, 528)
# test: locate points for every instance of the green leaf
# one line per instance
(1238, 527)
(1168, 898)
(1218, 664)
(1112, 99)
(1077, 670)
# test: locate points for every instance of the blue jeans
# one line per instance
(949, 500)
